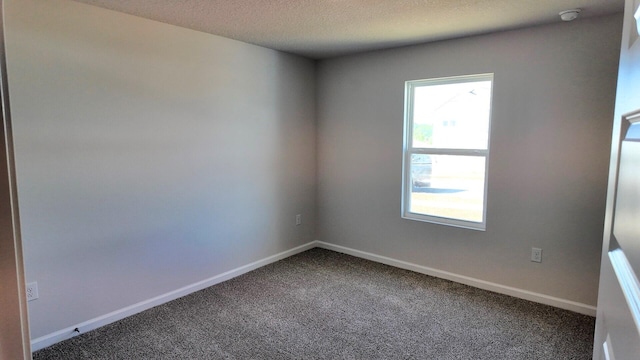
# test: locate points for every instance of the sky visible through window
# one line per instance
(455, 116)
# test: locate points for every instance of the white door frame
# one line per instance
(14, 323)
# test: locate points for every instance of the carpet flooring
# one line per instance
(325, 305)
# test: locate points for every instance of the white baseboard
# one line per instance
(486, 285)
(50, 339)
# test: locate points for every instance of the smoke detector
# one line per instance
(569, 15)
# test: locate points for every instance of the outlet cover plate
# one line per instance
(32, 291)
(536, 255)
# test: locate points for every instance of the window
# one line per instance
(446, 150)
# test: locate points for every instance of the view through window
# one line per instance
(447, 126)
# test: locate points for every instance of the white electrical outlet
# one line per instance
(32, 291)
(536, 254)
(298, 219)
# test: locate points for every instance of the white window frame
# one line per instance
(408, 150)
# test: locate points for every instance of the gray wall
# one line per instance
(150, 157)
(553, 101)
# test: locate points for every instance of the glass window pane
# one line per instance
(452, 116)
(448, 186)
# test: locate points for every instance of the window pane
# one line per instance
(452, 116)
(448, 186)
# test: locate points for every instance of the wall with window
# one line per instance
(553, 95)
(150, 157)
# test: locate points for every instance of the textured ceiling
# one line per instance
(326, 28)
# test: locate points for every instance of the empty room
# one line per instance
(320, 179)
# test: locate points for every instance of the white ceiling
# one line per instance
(327, 28)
